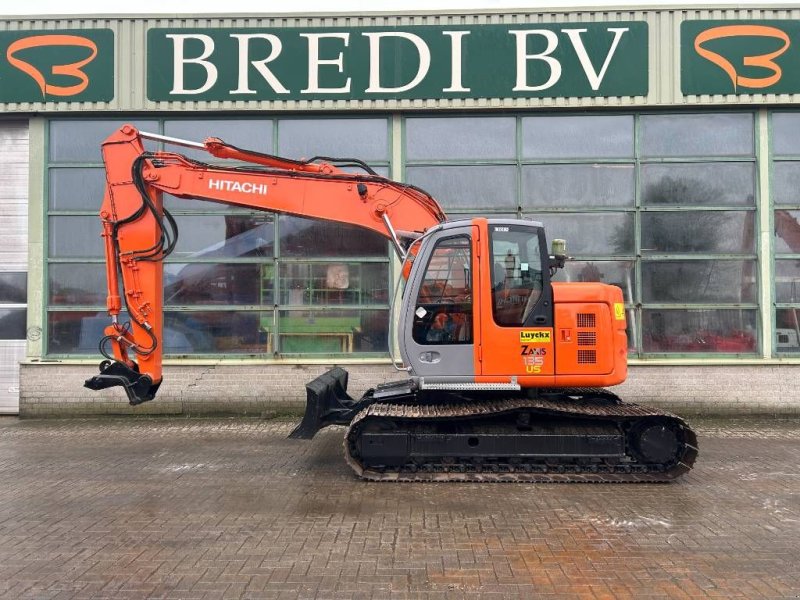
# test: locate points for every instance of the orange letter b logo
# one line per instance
(71, 69)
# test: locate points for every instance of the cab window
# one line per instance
(517, 281)
(443, 311)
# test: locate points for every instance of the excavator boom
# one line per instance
(139, 233)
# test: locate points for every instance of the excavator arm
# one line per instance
(139, 233)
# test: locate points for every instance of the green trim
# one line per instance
(37, 236)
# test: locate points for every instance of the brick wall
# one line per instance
(48, 390)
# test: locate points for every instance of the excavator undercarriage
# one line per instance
(398, 433)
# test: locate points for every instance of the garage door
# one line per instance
(13, 258)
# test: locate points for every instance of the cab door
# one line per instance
(438, 318)
(517, 339)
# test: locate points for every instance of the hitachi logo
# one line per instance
(234, 186)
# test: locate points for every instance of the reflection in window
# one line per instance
(217, 332)
(691, 184)
(303, 238)
(13, 287)
(698, 232)
(702, 281)
(699, 330)
(217, 283)
(618, 273)
(604, 234)
(228, 236)
(332, 331)
(12, 323)
(787, 329)
(305, 284)
(443, 312)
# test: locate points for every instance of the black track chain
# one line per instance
(597, 404)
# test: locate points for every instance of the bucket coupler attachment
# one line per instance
(327, 403)
(139, 388)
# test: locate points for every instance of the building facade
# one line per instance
(663, 145)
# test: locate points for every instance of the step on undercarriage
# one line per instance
(396, 433)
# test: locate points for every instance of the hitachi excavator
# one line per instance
(505, 370)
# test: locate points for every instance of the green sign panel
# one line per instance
(57, 66)
(740, 57)
(415, 62)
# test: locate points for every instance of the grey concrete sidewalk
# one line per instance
(176, 508)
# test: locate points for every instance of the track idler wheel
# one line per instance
(655, 442)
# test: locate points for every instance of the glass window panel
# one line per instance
(787, 330)
(556, 186)
(699, 330)
(590, 233)
(706, 281)
(77, 189)
(787, 231)
(13, 287)
(709, 184)
(305, 238)
(786, 134)
(217, 332)
(12, 323)
(76, 331)
(697, 135)
(333, 331)
(77, 284)
(230, 236)
(322, 284)
(786, 183)
(218, 283)
(79, 140)
(441, 138)
(484, 187)
(787, 281)
(618, 272)
(73, 237)
(364, 139)
(578, 136)
(698, 232)
(248, 134)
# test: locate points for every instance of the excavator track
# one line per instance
(589, 436)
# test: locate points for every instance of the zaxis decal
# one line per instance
(67, 66)
(740, 57)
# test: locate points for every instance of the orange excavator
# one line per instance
(505, 370)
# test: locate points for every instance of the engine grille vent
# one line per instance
(587, 357)
(586, 320)
(587, 338)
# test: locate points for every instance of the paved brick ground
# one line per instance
(177, 508)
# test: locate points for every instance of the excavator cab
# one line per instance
(476, 284)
